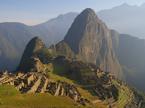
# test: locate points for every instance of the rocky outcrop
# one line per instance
(30, 53)
(90, 40)
(62, 48)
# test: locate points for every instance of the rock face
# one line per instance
(90, 40)
(30, 54)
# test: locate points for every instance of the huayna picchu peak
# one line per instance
(90, 40)
(81, 71)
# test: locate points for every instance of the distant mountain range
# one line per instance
(128, 19)
(131, 55)
(15, 36)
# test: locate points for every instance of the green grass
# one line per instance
(60, 68)
(6, 90)
(56, 77)
(124, 95)
(11, 98)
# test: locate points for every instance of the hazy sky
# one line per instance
(36, 11)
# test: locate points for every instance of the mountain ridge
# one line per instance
(132, 22)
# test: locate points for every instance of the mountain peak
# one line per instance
(89, 11)
(126, 5)
(86, 18)
(36, 40)
(35, 45)
(90, 39)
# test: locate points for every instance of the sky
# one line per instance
(33, 12)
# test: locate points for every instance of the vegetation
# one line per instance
(11, 98)
(45, 55)
(61, 78)
(125, 94)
